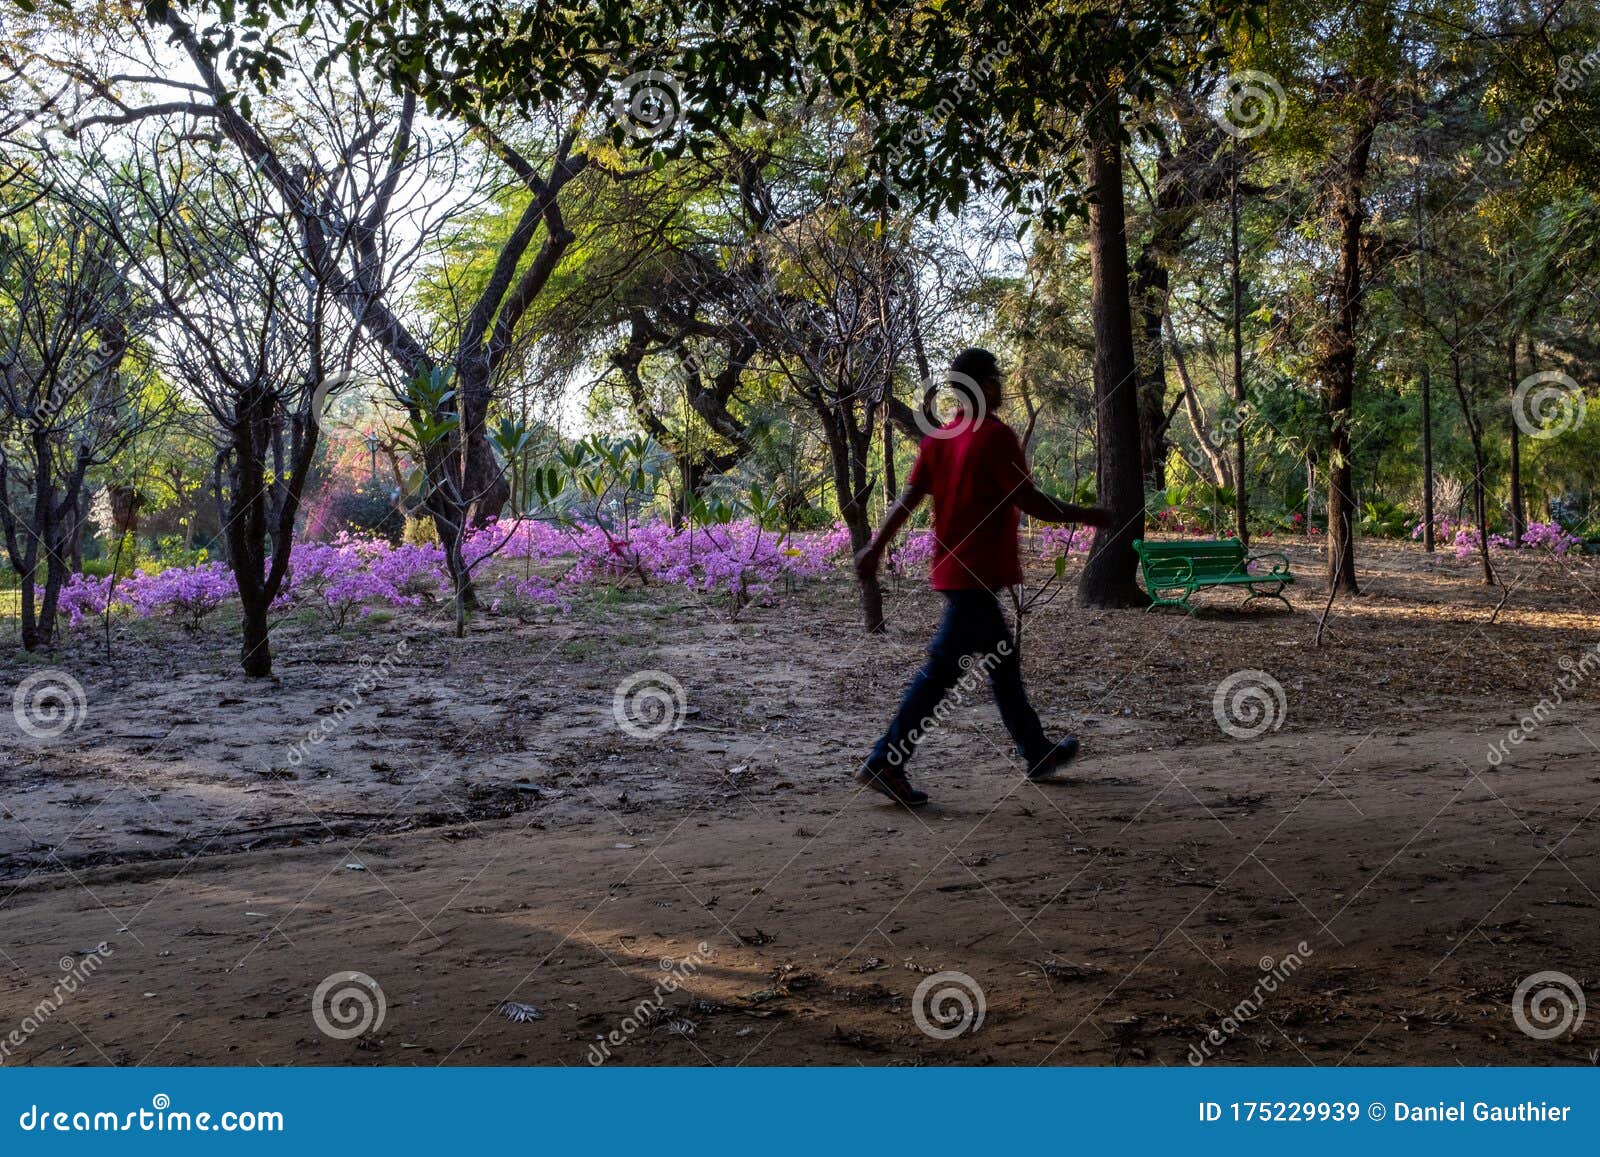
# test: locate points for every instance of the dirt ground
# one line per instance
(473, 827)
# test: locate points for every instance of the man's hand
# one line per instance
(1097, 516)
(867, 562)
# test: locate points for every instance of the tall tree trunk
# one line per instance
(891, 481)
(1241, 485)
(847, 459)
(1480, 503)
(1427, 460)
(1519, 513)
(1424, 375)
(1109, 576)
(1153, 282)
(1339, 349)
(246, 527)
(1221, 473)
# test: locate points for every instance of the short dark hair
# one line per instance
(974, 363)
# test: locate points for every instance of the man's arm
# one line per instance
(894, 519)
(1037, 504)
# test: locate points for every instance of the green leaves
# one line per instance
(429, 421)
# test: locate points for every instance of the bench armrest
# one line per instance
(1270, 554)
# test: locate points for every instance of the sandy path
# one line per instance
(1111, 919)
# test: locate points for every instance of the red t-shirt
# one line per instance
(975, 476)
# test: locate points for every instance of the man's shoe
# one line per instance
(1054, 760)
(892, 782)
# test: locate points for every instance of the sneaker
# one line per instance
(1054, 760)
(892, 782)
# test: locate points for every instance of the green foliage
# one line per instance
(1385, 519)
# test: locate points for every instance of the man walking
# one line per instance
(976, 472)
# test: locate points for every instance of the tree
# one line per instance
(1042, 119)
(251, 330)
(75, 384)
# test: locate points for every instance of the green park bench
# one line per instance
(1174, 571)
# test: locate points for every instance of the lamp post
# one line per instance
(371, 440)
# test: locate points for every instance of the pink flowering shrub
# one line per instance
(1551, 536)
(1463, 537)
(82, 595)
(914, 551)
(191, 592)
(356, 575)
(1057, 541)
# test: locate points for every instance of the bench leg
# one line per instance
(1275, 594)
(1157, 601)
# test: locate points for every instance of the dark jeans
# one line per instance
(973, 625)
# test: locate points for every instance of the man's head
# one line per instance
(979, 367)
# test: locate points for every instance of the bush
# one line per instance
(420, 531)
(368, 509)
(1386, 519)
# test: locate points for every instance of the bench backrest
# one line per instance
(1191, 558)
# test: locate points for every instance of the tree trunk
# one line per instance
(1426, 378)
(246, 528)
(1480, 504)
(1339, 351)
(1427, 460)
(1198, 422)
(848, 461)
(1519, 513)
(1151, 276)
(1110, 574)
(256, 650)
(1241, 489)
